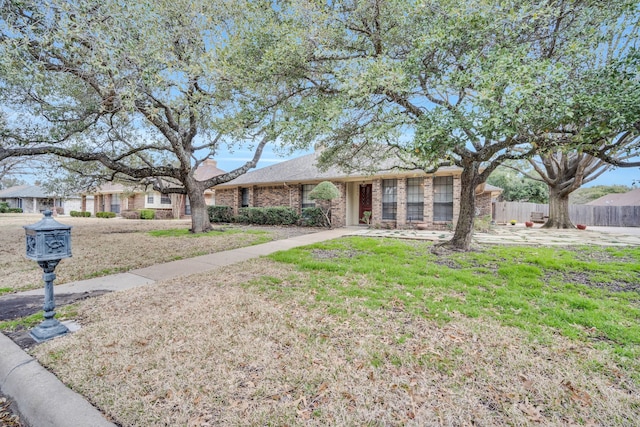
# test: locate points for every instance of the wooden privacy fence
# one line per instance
(607, 216)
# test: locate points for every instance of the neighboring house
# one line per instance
(114, 197)
(630, 198)
(394, 198)
(30, 198)
(75, 203)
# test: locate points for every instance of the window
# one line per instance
(415, 199)
(150, 199)
(187, 206)
(443, 198)
(245, 198)
(306, 201)
(165, 199)
(115, 203)
(389, 198)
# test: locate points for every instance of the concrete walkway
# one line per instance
(42, 400)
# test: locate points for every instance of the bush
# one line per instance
(105, 214)
(164, 214)
(268, 216)
(313, 217)
(147, 214)
(220, 213)
(4, 207)
(14, 210)
(130, 214)
(84, 214)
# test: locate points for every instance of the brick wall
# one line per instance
(401, 213)
(225, 197)
(271, 196)
(483, 204)
(339, 206)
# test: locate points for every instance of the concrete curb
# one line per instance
(41, 399)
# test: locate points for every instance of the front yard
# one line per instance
(369, 331)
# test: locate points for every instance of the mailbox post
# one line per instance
(48, 242)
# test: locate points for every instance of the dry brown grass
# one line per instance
(105, 246)
(209, 350)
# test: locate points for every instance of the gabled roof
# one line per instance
(630, 198)
(24, 191)
(305, 169)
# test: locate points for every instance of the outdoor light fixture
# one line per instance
(48, 242)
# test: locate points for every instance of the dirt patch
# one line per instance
(335, 253)
(610, 285)
(15, 307)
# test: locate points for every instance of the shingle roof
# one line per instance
(24, 191)
(630, 198)
(305, 169)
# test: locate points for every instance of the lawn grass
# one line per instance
(263, 236)
(588, 294)
(64, 312)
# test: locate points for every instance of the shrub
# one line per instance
(164, 214)
(130, 214)
(84, 214)
(15, 210)
(268, 216)
(313, 217)
(105, 214)
(147, 214)
(4, 207)
(220, 213)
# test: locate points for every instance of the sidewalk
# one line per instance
(42, 400)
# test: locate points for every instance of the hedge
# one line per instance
(130, 214)
(147, 214)
(84, 214)
(4, 207)
(164, 214)
(313, 217)
(15, 210)
(268, 216)
(105, 214)
(220, 213)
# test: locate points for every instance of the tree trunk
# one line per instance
(199, 213)
(463, 234)
(558, 210)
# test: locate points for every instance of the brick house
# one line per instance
(115, 197)
(396, 199)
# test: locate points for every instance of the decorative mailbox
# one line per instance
(48, 242)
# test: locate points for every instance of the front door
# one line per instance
(366, 201)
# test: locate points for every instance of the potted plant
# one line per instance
(513, 222)
(528, 224)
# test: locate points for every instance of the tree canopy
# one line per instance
(471, 83)
(148, 90)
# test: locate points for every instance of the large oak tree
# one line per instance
(149, 90)
(472, 83)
